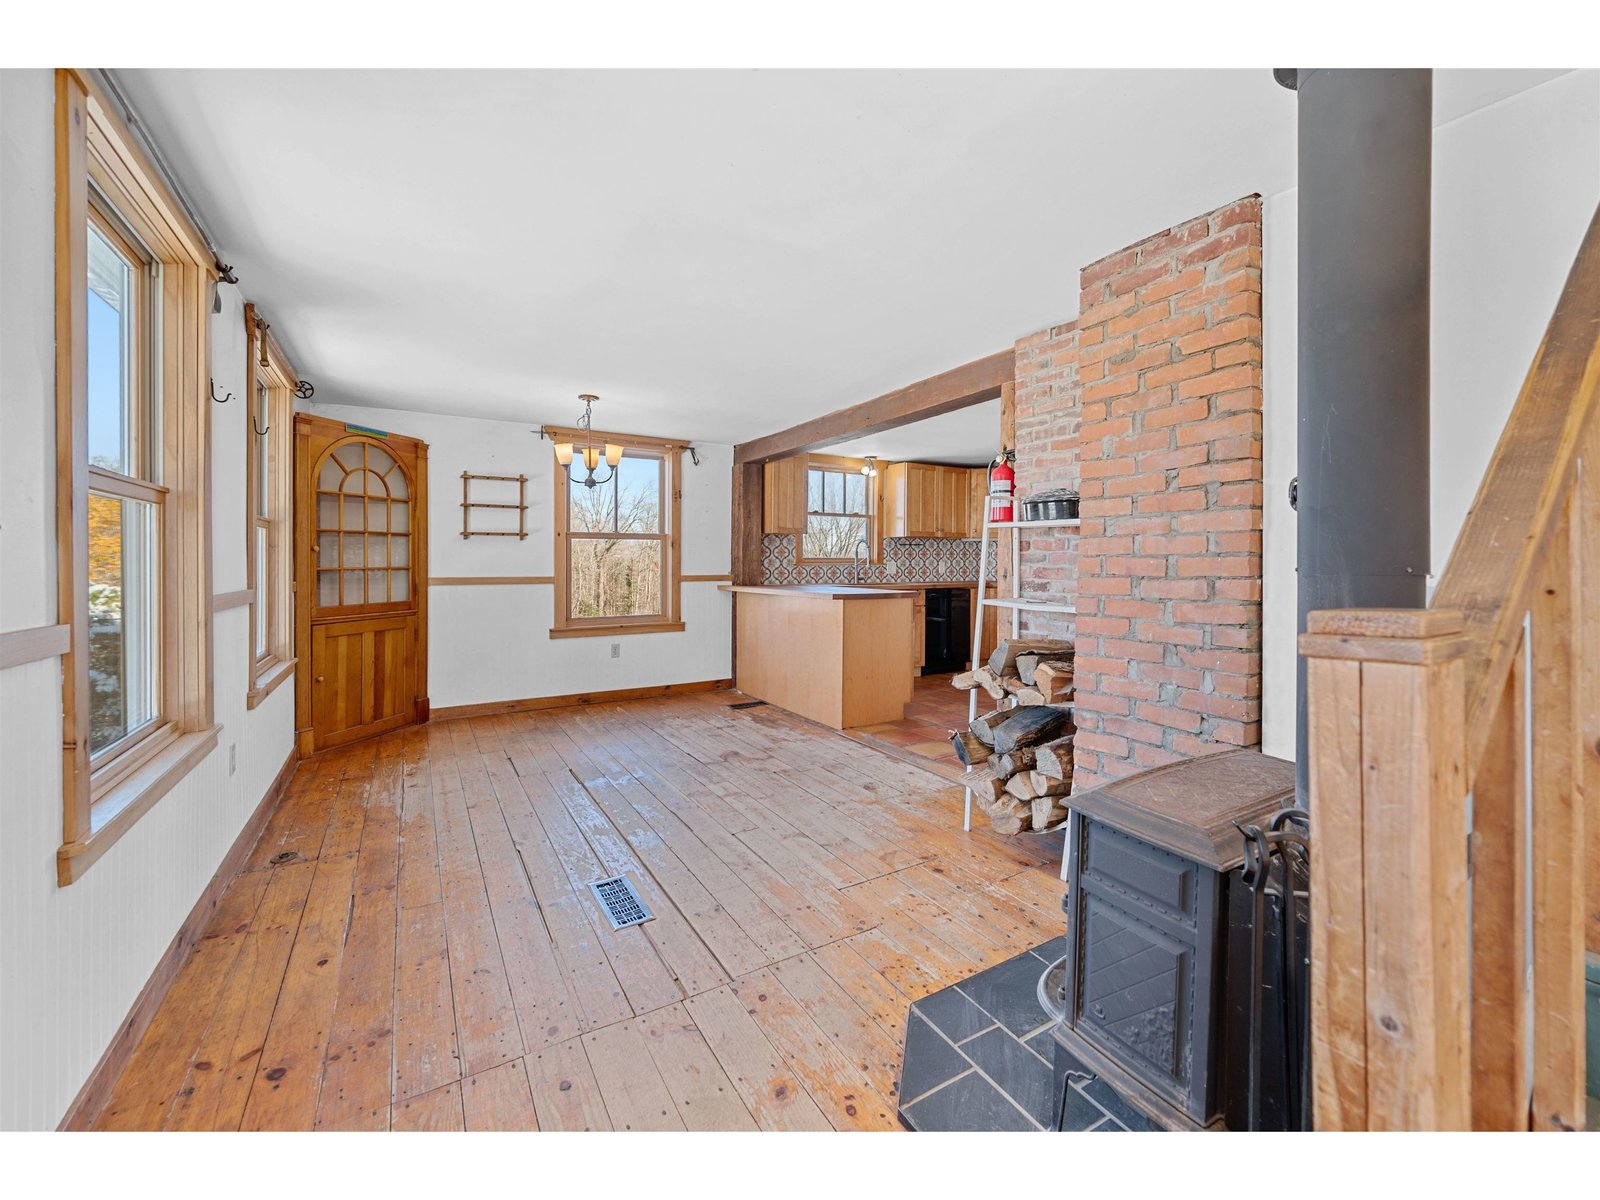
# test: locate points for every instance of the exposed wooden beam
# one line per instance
(959, 387)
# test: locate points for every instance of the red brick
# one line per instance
(1178, 414)
(1230, 449)
(1243, 234)
(1247, 376)
(1245, 304)
(1114, 746)
(1136, 566)
(1214, 614)
(1109, 626)
(1131, 689)
(1230, 661)
(1139, 318)
(1133, 608)
(1242, 329)
(1172, 502)
(1151, 756)
(1172, 718)
(1132, 281)
(1172, 635)
(1218, 519)
(1173, 589)
(1246, 210)
(1169, 460)
(1123, 385)
(1226, 472)
(1140, 651)
(1179, 677)
(1103, 468)
(1180, 282)
(1219, 564)
(1106, 267)
(1171, 328)
(1109, 348)
(1239, 494)
(1241, 542)
(1137, 732)
(1220, 428)
(1242, 686)
(1238, 589)
(1194, 543)
(1185, 368)
(1099, 313)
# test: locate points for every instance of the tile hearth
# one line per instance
(979, 1055)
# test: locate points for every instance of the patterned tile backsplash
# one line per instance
(905, 560)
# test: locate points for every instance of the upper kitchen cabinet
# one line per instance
(921, 500)
(977, 497)
(784, 496)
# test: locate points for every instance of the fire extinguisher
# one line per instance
(1002, 483)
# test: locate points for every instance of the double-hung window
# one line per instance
(838, 513)
(269, 433)
(617, 546)
(125, 498)
(134, 284)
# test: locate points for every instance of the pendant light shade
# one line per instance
(589, 453)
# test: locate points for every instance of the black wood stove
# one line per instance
(1158, 975)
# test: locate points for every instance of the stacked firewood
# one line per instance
(1021, 755)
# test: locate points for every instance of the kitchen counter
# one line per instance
(843, 656)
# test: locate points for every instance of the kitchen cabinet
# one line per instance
(784, 496)
(977, 497)
(921, 500)
(954, 502)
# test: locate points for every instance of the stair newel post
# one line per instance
(1390, 990)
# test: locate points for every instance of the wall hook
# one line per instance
(694, 456)
(225, 398)
(259, 432)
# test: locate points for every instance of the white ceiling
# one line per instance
(717, 254)
(968, 436)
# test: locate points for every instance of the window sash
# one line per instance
(141, 629)
(661, 540)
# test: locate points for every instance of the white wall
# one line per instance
(492, 642)
(75, 958)
(1515, 185)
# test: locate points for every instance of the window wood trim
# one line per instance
(669, 620)
(94, 153)
(266, 363)
(835, 462)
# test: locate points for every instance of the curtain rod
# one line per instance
(147, 143)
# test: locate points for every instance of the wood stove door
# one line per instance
(1141, 923)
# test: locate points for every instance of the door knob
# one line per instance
(319, 678)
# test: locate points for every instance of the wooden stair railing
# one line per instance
(1447, 982)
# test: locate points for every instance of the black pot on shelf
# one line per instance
(1058, 504)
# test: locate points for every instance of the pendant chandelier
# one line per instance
(589, 453)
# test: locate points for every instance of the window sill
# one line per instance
(616, 630)
(116, 812)
(268, 678)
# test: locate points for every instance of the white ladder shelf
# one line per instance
(1016, 604)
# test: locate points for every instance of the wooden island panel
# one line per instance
(842, 656)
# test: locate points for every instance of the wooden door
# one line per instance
(361, 554)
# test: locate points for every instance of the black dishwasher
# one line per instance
(947, 640)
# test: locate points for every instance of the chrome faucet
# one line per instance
(859, 557)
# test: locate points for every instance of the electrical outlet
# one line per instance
(891, 568)
(616, 649)
(233, 757)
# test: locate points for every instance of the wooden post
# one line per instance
(1389, 895)
(1558, 873)
(1500, 898)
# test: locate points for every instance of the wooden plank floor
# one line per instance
(413, 945)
